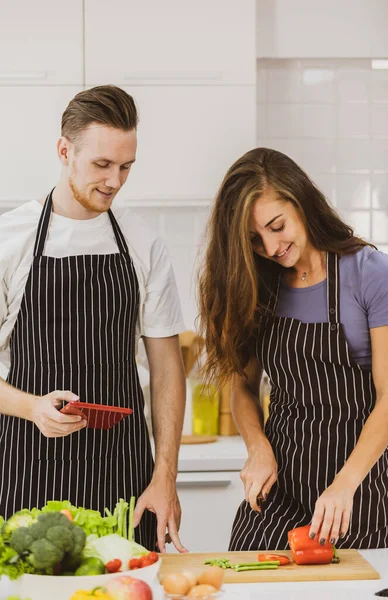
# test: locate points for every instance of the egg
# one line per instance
(191, 578)
(212, 576)
(176, 583)
(200, 591)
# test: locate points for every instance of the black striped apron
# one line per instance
(76, 331)
(320, 400)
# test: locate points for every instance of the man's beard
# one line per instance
(85, 201)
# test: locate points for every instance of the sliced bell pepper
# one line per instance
(306, 551)
(281, 558)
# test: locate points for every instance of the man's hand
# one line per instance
(259, 473)
(161, 498)
(46, 416)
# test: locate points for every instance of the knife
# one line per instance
(260, 502)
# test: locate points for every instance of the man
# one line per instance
(78, 285)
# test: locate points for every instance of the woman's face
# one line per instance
(277, 231)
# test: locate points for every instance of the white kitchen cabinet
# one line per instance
(30, 121)
(330, 29)
(41, 42)
(187, 138)
(209, 502)
(153, 42)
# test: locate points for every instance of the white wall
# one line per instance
(331, 117)
(329, 114)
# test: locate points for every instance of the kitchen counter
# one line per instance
(319, 590)
(227, 454)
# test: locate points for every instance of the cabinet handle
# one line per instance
(20, 75)
(175, 75)
(203, 483)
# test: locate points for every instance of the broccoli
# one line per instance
(21, 540)
(48, 541)
(22, 518)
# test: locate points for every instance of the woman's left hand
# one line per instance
(332, 512)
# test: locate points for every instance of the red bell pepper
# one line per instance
(281, 558)
(306, 551)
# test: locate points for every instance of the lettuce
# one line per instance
(11, 565)
(113, 546)
(89, 520)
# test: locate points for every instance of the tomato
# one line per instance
(284, 560)
(113, 565)
(153, 557)
(145, 561)
(134, 563)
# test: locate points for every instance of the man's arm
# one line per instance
(41, 410)
(14, 402)
(168, 399)
(168, 392)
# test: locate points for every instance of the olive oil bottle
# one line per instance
(205, 408)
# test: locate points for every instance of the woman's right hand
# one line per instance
(48, 419)
(259, 473)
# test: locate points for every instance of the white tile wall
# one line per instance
(183, 231)
(331, 117)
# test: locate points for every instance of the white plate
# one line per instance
(46, 587)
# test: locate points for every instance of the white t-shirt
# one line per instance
(159, 312)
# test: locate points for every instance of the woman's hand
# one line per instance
(259, 473)
(332, 512)
(46, 416)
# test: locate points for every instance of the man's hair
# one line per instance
(105, 104)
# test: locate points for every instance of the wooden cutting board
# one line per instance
(352, 566)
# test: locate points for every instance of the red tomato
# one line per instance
(134, 563)
(153, 557)
(113, 565)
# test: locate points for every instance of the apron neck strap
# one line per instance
(44, 222)
(333, 287)
(43, 225)
(120, 239)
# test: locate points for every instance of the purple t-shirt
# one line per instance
(363, 300)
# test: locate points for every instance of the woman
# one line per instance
(287, 287)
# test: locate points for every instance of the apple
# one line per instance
(128, 588)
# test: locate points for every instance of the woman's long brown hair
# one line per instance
(230, 279)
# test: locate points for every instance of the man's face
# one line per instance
(99, 165)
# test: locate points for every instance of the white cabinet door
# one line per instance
(187, 138)
(204, 41)
(41, 42)
(330, 29)
(30, 122)
(209, 503)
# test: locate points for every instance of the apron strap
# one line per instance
(120, 239)
(44, 222)
(43, 225)
(333, 288)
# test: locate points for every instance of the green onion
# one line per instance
(131, 510)
(258, 567)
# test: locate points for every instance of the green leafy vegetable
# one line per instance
(22, 518)
(113, 546)
(40, 547)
